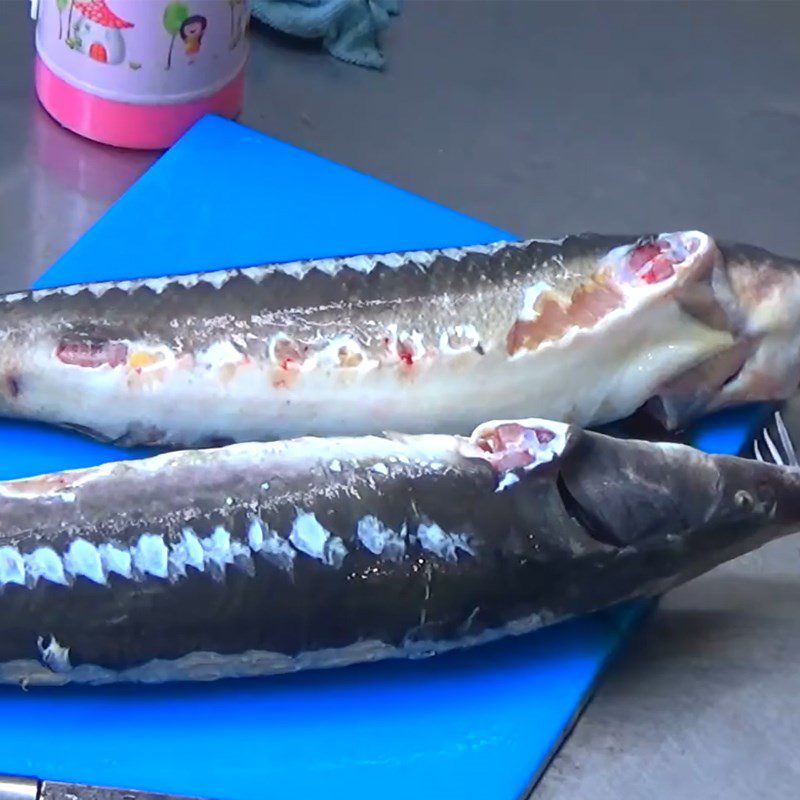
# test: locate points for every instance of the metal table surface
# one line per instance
(542, 118)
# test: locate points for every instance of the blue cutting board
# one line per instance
(477, 725)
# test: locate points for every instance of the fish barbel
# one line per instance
(585, 330)
(262, 558)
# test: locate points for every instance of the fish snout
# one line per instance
(755, 503)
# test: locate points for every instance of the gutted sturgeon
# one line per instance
(261, 558)
(585, 330)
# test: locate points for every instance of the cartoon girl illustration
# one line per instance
(191, 31)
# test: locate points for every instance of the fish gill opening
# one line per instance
(590, 523)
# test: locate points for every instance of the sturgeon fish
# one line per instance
(261, 558)
(585, 330)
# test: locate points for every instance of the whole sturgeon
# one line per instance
(585, 330)
(260, 558)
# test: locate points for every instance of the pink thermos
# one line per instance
(138, 73)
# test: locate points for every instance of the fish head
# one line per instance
(669, 512)
(755, 296)
(651, 515)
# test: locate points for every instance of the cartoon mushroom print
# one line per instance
(99, 32)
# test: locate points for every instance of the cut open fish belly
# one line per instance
(260, 558)
(586, 330)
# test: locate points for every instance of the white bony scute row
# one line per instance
(296, 269)
(158, 556)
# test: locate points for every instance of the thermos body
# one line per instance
(137, 74)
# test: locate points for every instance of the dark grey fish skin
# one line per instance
(315, 553)
(585, 329)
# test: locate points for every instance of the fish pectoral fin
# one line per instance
(693, 392)
(83, 430)
(134, 436)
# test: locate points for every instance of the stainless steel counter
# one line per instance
(543, 118)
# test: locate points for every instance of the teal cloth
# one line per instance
(349, 29)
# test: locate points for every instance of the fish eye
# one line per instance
(744, 500)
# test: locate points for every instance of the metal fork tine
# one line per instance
(786, 440)
(773, 444)
(774, 452)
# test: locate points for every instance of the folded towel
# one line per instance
(349, 29)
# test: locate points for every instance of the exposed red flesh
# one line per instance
(590, 303)
(511, 445)
(544, 436)
(290, 354)
(643, 254)
(586, 307)
(659, 269)
(406, 353)
(92, 354)
(652, 262)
